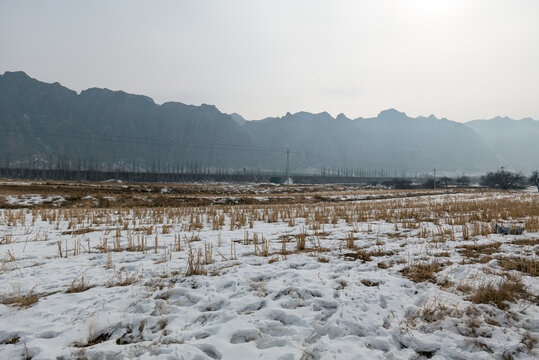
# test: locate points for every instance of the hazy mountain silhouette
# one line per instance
(41, 122)
(516, 142)
(47, 120)
(392, 140)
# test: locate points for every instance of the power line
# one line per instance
(58, 134)
(145, 141)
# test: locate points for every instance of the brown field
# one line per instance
(437, 250)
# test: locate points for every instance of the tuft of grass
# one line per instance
(475, 251)
(465, 232)
(358, 254)
(21, 300)
(434, 310)
(500, 295)
(422, 272)
(93, 340)
(12, 340)
(300, 240)
(524, 265)
(350, 241)
(385, 265)
(378, 251)
(122, 278)
(77, 285)
(6, 239)
(529, 341)
(195, 263)
(368, 282)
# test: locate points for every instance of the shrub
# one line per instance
(503, 179)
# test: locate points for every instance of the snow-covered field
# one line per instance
(419, 276)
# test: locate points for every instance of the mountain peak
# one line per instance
(18, 74)
(391, 114)
(240, 120)
(101, 93)
(307, 116)
(341, 116)
(209, 107)
(502, 118)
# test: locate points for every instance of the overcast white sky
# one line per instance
(460, 59)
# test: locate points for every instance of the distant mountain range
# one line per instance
(43, 123)
(515, 142)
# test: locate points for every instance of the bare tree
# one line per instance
(503, 179)
(534, 179)
(445, 180)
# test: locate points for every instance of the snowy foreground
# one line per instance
(367, 283)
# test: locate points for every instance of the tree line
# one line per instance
(501, 179)
(504, 179)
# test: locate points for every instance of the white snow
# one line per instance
(306, 305)
(29, 200)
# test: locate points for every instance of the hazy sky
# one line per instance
(460, 59)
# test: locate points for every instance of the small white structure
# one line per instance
(288, 181)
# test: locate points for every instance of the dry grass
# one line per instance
(434, 310)
(499, 295)
(350, 241)
(123, 278)
(379, 251)
(385, 265)
(421, 272)
(525, 242)
(6, 239)
(78, 231)
(524, 265)
(421, 230)
(360, 254)
(27, 355)
(475, 251)
(78, 285)
(404, 209)
(195, 263)
(132, 219)
(9, 341)
(21, 300)
(300, 240)
(368, 282)
(92, 340)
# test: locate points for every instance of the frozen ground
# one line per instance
(90, 283)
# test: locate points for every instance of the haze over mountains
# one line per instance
(41, 123)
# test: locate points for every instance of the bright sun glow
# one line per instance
(431, 6)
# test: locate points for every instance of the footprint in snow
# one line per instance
(286, 319)
(211, 351)
(244, 336)
(254, 306)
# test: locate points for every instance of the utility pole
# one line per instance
(435, 178)
(287, 164)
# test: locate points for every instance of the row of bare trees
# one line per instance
(504, 179)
